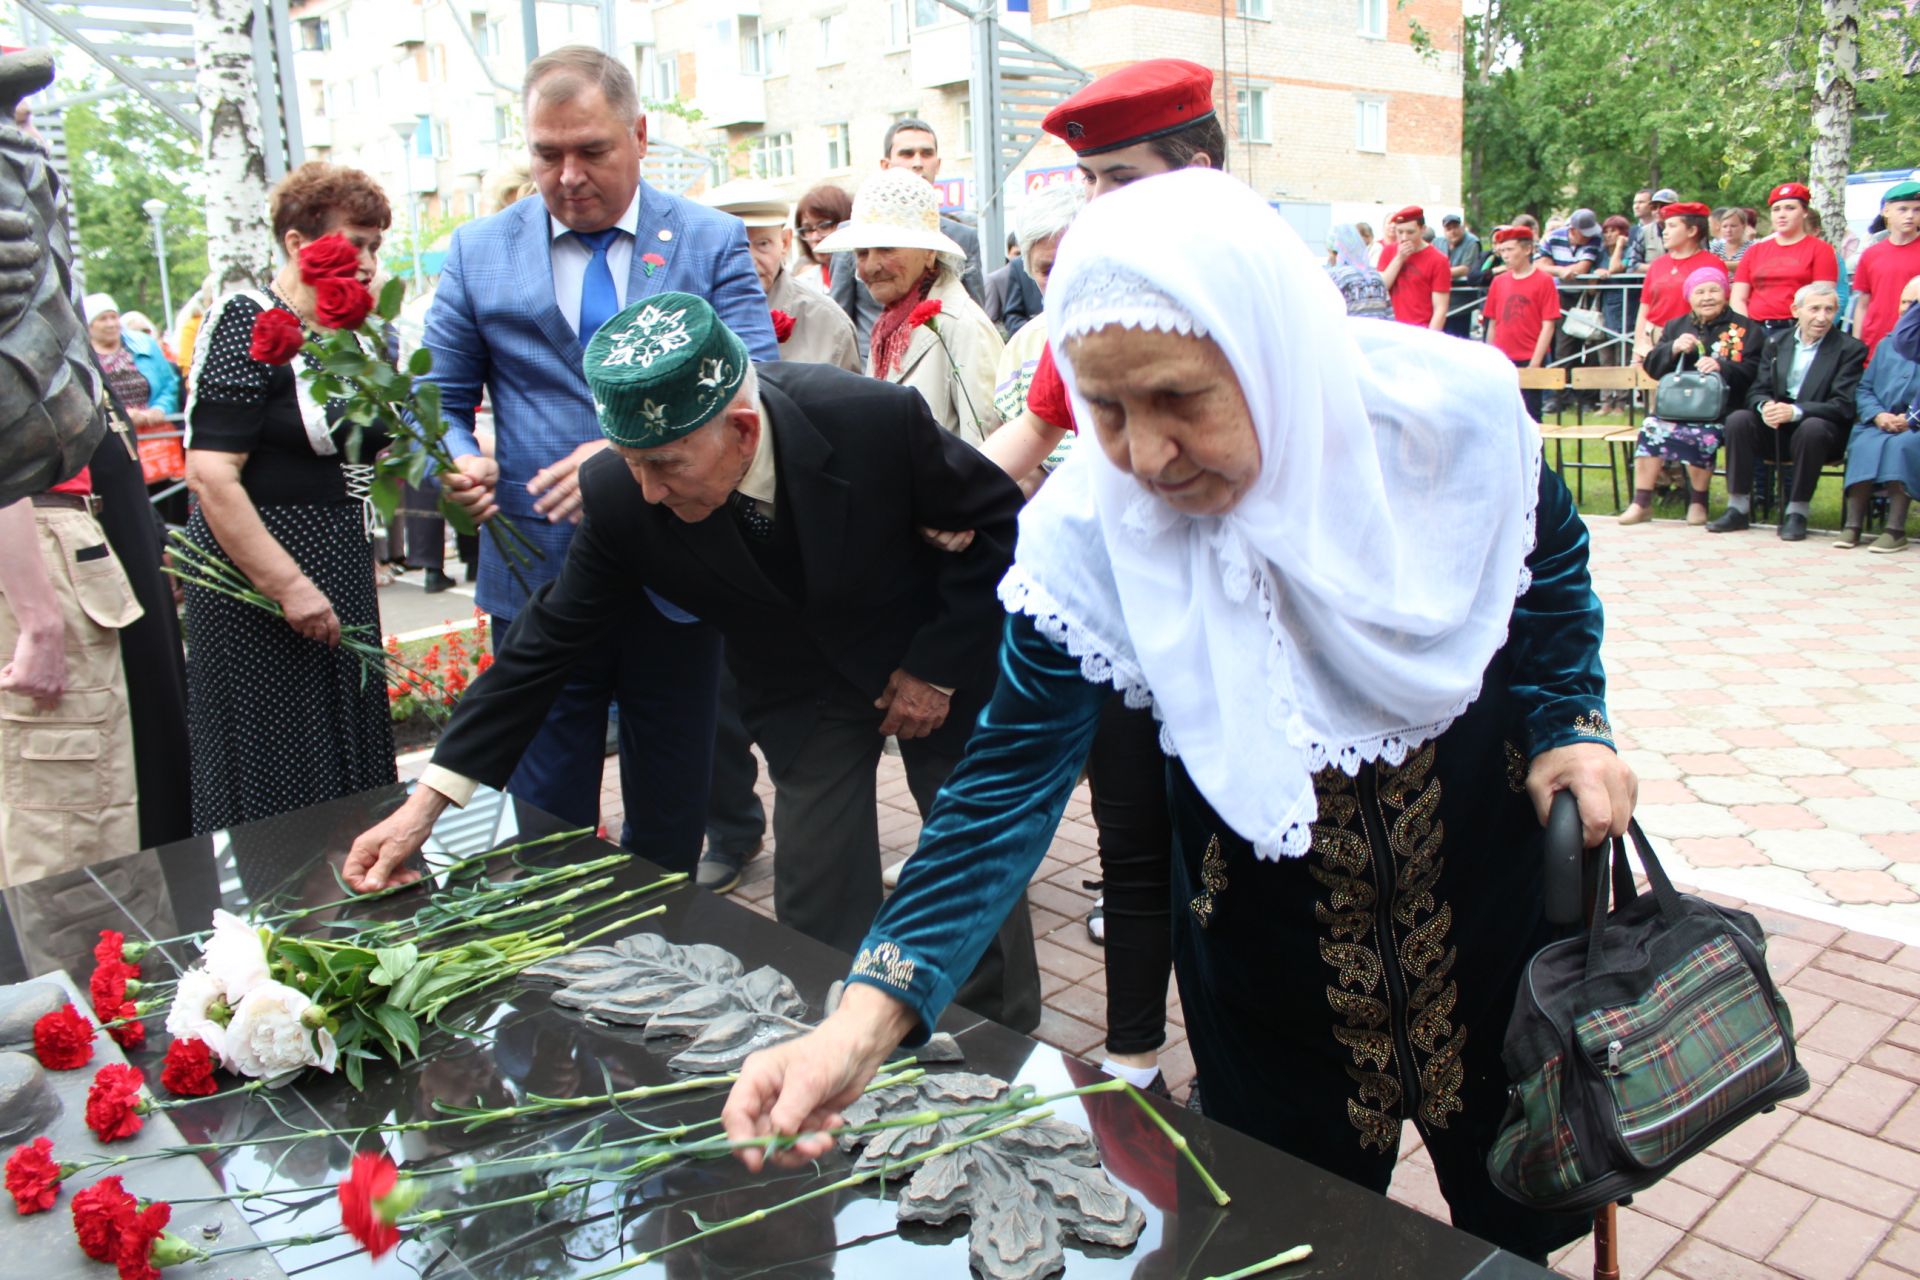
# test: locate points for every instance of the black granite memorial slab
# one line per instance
(527, 1045)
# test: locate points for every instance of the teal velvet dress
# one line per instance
(1328, 997)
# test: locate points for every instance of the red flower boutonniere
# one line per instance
(924, 315)
(63, 1040)
(652, 260)
(277, 337)
(782, 325)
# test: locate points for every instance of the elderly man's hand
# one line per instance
(471, 485)
(558, 485)
(914, 708)
(1601, 783)
(376, 859)
(1776, 414)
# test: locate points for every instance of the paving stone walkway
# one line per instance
(1766, 693)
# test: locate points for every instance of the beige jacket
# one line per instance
(962, 402)
(822, 334)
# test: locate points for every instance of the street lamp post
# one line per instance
(405, 129)
(157, 210)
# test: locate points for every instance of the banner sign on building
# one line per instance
(1056, 175)
(953, 194)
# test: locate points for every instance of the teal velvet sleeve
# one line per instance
(990, 826)
(1553, 642)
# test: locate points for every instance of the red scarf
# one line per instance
(892, 335)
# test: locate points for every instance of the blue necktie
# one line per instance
(599, 300)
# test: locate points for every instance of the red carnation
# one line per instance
(188, 1070)
(329, 258)
(277, 337)
(782, 325)
(111, 947)
(368, 1205)
(133, 1249)
(113, 1103)
(127, 1029)
(108, 986)
(63, 1040)
(341, 303)
(652, 260)
(97, 1214)
(33, 1177)
(923, 313)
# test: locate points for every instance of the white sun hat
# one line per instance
(895, 209)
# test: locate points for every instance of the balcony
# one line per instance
(729, 98)
(941, 55)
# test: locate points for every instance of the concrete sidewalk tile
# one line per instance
(1744, 1144)
(1819, 850)
(1846, 1030)
(1698, 1260)
(1751, 788)
(1644, 1242)
(1069, 1033)
(1877, 1270)
(1807, 1007)
(1902, 1249)
(1904, 1128)
(1869, 815)
(1811, 1171)
(1901, 847)
(1846, 989)
(1677, 1204)
(1857, 1151)
(1863, 886)
(1829, 1243)
(1707, 1173)
(1831, 786)
(1754, 1217)
(1787, 956)
(1719, 851)
(1779, 817)
(1068, 963)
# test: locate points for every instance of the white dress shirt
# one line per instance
(570, 258)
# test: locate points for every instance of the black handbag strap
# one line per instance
(1664, 894)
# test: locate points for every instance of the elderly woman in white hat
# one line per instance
(908, 263)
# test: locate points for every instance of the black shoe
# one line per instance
(1793, 528)
(1193, 1097)
(437, 580)
(1730, 521)
(719, 869)
(473, 570)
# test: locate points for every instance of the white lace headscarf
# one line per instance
(1346, 609)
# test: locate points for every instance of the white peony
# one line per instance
(191, 1016)
(271, 1034)
(235, 956)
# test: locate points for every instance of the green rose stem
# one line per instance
(1299, 1253)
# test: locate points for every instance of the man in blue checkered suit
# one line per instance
(521, 293)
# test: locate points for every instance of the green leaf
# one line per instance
(458, 516)
(400, 1026)
(394, 964)
(420, 363)
(385, 492)
(392, 296)
(357, 1072)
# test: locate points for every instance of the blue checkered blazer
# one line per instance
(494, 324)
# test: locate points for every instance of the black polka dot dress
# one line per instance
(278, 721)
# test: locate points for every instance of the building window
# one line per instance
(1372, 115)
(966, 126)
(773, 155)
(315, 37)
(1251, 8)
(928, 12)
(1251, 108)
(839, 147)
(317, 94)
(833, 47)
(502, 124)
(423, 137)
(750, 51)
(666, 78)
(1060, 8)
(898, 29)
(773, 51)
(482, 34)
(1373, 19)
(721, 160)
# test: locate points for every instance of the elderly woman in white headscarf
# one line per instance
(1325, 553)
(931, 336)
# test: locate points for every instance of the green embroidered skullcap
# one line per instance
(1904, 191)
(661, 369)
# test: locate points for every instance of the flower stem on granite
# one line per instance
(1299, 1253)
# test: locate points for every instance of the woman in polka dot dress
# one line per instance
(280, 715)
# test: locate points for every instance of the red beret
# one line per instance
(1135, 104)
(1685, 209)
(1412, 213)
(1506, 235)
(1789, 191)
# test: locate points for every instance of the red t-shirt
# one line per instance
(1427, 272)
(1047, 394)
(1520, 306)
(1665, 292)
(1883, 272)
(81, 484)
(1776, 271)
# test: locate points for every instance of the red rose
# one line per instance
(782, 326)
(133, 1249)
(923, 313)
(128, 1031)
(63, 1040)
(341, 303)
(188, 1070)
(369, 1179)
(33, 1177)
(113, 1103)
(329, 258)
(277, 337)
(97, 1214)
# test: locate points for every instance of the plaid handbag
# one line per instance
(1635, 1045)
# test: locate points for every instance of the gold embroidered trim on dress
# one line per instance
(1345, 868)
(1591, 724)
(1213, 874)
(884, 963)
(1516, 768)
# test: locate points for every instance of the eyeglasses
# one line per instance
(816, 228)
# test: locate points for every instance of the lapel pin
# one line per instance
(665, 234)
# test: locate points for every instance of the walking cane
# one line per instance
(1569, 903)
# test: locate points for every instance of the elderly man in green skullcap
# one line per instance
(783, 505)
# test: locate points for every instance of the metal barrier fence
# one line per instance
(1616, 298)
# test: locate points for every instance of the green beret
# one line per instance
(661, 369)
(1904, 191)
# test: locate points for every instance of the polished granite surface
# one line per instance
(532, 1047)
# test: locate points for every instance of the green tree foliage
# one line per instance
(122, 152)
(1572, 104)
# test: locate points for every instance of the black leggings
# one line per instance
(1128, 776)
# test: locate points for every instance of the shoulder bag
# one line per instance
(1583, 323)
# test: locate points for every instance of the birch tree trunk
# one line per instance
(1834, 99)
(239, 242)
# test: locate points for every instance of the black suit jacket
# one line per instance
(861, 467)
(1827, 390)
